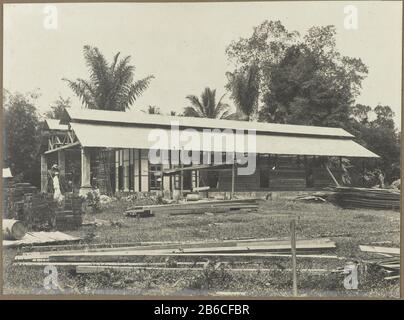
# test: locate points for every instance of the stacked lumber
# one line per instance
(222, 249)
(349, 197)
(69, 215)
(38, 211)
(197, 207)
(389, 261)
(15, 199)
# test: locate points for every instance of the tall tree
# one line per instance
(264, 49)
(244, 88)
(379, 135)
(110, 86)
(57, 108)
(206, 107)
(21, 136)
(302, 80)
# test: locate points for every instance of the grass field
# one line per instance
(348, 228)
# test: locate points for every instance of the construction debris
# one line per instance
(347, 197)
(389, 263)
(36, 238)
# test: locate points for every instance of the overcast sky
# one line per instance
(183, 44)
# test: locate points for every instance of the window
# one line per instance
(155, 176)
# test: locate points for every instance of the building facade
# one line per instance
(137, 152)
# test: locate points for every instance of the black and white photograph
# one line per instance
(202, 149)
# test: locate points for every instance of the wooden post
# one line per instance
(181, 174)
(85, 172)
(293, 246)
(62, 162)
(363, 173)
(233, 176)
(44, 173)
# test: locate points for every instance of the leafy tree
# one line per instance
(313, 84)
(360, 113)
(111, 86)
(22, 137)
(244, 88)
(57, 108)
(302, 80)
(207, 106)
(380, 136)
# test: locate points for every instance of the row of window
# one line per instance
(126, 158)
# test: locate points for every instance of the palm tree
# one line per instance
(244, 88)
(153, 110)
(111, 86)
(207, 106)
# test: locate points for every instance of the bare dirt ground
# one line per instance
(348, 228)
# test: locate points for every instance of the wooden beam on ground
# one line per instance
(380, 250)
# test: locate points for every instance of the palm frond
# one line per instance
(196, 104)
(84, 91)
(191, 112)
(135, 90)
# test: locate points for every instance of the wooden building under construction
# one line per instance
(111, 150)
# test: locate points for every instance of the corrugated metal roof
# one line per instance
(141, 118)
(53, 124)
(115, 136)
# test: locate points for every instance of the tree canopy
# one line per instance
(206, 107)
(244, 88)
(110, 86)
(21, 136)
(302, 80)
(57, 108)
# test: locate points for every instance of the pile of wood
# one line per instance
(39, 211)
(35, 210)
(14, 198)
(388, 260)
(69, 215)
(349, 197)
(196, 207)
(168, 255)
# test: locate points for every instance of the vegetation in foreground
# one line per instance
(348, 228)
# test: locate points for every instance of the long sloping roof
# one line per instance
(138, 118)
(53, 124)
(117, 136)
